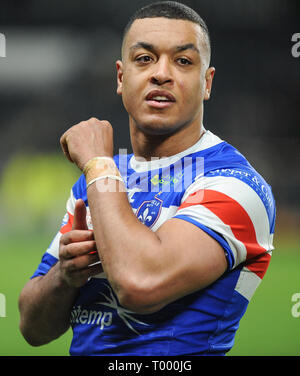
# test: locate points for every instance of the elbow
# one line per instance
(34, 337)
(26, 329)
(139, 296)
(30, 337)
(33, 334)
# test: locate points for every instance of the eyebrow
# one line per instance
(188, 46)
(146, 46)
(150, 47)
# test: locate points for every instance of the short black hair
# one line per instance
(172, 10)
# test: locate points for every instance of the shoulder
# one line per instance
(234, 200)
(227, 170)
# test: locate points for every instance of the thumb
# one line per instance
(79, 221)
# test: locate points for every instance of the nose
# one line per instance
(162, 72)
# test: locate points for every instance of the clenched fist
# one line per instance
(86, 140)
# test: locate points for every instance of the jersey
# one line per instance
(212, 186)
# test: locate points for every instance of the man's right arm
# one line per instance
(46, 301)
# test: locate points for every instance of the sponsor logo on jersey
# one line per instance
(103, 318)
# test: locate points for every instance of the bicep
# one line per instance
(192, 259)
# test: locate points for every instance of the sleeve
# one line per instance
(238, 214)
(50, 257)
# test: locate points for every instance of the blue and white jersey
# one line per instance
(212, 186)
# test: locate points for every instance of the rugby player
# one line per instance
(161, 250)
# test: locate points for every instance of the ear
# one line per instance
(119, 66)
(209, 75)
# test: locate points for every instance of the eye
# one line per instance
(144, 59)
(184, 61)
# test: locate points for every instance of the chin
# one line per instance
(158, 126)
(157, 129)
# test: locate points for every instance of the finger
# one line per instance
(82, 276)
(72, 250)
(64, 146)
(75, 236)
(79, 221)
(78, 277)
(80, 263)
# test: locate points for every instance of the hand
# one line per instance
(77, 251)
(88, 139)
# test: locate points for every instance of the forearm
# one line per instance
(130, 252)
(45, 303)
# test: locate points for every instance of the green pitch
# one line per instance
(268, 327)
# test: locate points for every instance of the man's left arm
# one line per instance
(146, 269)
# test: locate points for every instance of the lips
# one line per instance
(160, 96)
(160, 99)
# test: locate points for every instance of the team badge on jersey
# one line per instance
(149, 211)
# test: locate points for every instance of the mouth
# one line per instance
(160, 99)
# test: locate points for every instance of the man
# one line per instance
(156, 256)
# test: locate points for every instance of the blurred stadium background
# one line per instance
(59, 69)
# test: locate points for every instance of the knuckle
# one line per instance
(63, 241)
(80, 125)
(71, 265)
(107, 124)
(68, 252)
(107, 128)
(65, 252)
(63, 137)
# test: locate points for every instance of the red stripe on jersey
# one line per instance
(68, 226)
(234, 215)
(259, 265)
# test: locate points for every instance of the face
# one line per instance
(164, 76)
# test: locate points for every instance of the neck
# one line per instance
(147, 146)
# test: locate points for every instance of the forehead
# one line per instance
(164, 31)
